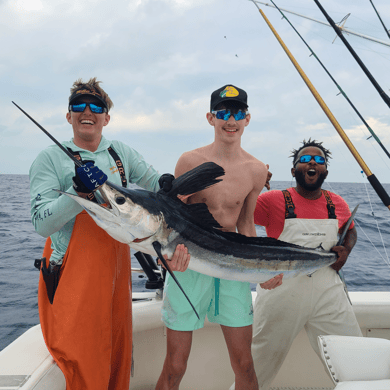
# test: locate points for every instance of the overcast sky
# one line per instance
(159, 61)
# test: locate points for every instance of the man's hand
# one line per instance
(165, 182)
(272, 283)
(343, 251)
(180, 259)
(269, 175)
(342, 255)
(88, 178)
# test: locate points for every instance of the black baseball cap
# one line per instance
(228, 92)
(83, 91)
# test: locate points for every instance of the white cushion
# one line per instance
(355, 358)
(364, 385)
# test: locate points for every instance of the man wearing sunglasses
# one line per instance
(309, 216)
(232, 203)
(84, 292)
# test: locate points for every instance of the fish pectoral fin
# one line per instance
(157, 248)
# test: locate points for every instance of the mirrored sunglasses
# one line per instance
(307, 158)
(82, 106)
(226, 114)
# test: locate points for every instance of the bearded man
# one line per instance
(309, 216)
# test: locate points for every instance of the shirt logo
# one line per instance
(229, 91)
(113, 170)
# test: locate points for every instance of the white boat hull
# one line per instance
(26, 363)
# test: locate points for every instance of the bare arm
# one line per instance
(264, 181)
(184, 164)
(245, 222)
(344, 250)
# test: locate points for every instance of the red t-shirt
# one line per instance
(270, 210)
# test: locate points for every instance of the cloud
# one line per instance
(315, 127)
(177, 115)
(25, 6)
(159, 61)
(24, 13)
(381, 129)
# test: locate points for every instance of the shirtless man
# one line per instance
(232, 203)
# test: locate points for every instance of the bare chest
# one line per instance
(230, 193)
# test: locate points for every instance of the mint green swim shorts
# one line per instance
(225, 302)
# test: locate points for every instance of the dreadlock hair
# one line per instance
(92, 85)
(314, 143)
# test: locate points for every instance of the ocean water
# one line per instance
(367, 268)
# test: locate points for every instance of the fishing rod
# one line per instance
(335, 82)
(370, 176)
(341, 27)
(381, 92)
(387, 31)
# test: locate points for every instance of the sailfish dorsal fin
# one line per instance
(195, 180)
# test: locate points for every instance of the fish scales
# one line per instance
(269, 262)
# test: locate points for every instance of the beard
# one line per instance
(300, 178)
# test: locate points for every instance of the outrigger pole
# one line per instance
(341, 27)
(337, 85)
(381, 92)
(387, 31)
(370, 176)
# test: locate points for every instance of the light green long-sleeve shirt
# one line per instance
(54, 215)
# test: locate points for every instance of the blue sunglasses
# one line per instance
(226, 114)
(82, 106)
(307, 158)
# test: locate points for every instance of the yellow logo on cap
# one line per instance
(229, 92)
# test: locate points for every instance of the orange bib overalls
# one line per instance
(88, 328)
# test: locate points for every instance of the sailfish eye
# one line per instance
(120, 200)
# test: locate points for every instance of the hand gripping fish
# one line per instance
(155, 223)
